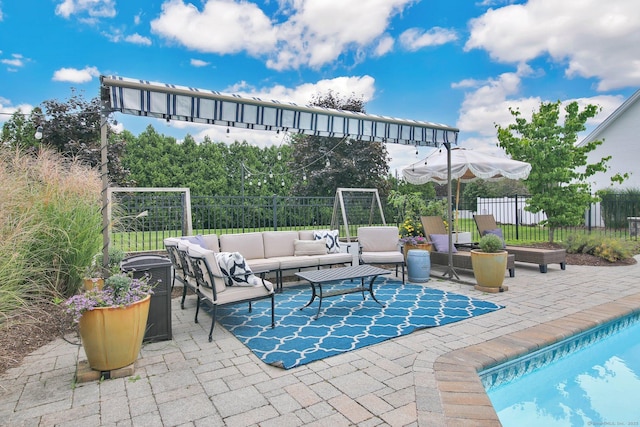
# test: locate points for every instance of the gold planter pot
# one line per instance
(112, 336)
(93, 283)
(489, 270)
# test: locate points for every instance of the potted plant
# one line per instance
(412, 236)
(489, 263)
(94, 273)
(93, 276)
(112, 320)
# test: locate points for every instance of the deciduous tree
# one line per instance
(558, 181)
(329, 163)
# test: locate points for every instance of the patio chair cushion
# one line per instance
(497, 232)
(441, 243)
(310, 247)
(198, 240)
(331, 237)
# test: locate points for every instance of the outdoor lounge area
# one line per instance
(426, 378)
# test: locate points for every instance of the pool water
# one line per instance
(595, 384)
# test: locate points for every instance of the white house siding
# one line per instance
(620, 133)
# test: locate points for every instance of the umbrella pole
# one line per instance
(457, 212)
(450, 270)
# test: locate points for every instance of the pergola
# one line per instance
(172, 102)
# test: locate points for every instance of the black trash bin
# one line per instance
(158, 268)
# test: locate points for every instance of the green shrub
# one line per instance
(491, 243)
(606, 248)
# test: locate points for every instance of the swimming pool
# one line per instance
(590, 379)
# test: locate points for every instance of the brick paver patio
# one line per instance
(427, 378)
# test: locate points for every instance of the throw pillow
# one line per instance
(497, 232)
(331, 237)
(309, 247)
(197, 240)
(235, 270)
(441, 242)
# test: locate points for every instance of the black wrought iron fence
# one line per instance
(142, 220)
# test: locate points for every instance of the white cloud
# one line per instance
(6, 109)
(314, 32)
(385, 45)
(488, 103)
(416, 38)
(74, 75)
(223, 26)
(199, 63)
(138, 39)
(591, 38)
(15, 62)
(93, 8)
(317, 33)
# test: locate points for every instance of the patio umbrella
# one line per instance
(466, 166)
(463, 165)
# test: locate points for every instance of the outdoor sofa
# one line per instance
(276, 251)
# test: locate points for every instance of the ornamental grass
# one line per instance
(50, 225)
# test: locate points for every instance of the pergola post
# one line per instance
(104, 172)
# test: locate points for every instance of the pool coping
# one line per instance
(462, 394)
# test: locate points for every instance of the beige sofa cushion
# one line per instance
(278, 243)
(378, 239)
(250, 245)
(305, 234)
(211, 242)
(309, 247)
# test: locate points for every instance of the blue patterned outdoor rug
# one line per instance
(346, 322)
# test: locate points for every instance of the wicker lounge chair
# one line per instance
(461, 259)
(539, 256)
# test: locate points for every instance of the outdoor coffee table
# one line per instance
(319, 277)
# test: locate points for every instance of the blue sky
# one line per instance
(460, 63)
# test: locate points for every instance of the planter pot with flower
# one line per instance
(93, 277)
(112, 320)
(412, 236)
(489, 264)
(414, 242)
